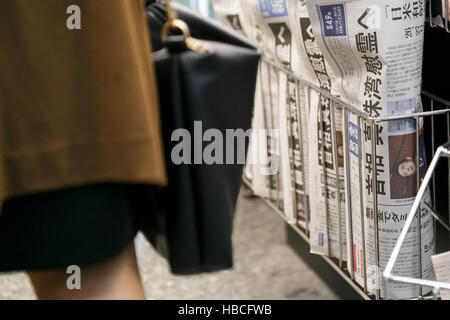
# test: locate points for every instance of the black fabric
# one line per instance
(77, 226)
(435, 73)
(436, 62)
(216, 88)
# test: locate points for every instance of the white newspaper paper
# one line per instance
(441, 264)
(283, 101)
(230, 14)
(375, 49)
(263, 161)
(258, 156)
(271, 110)
(283, 30)
(325, 197)
(328, 219)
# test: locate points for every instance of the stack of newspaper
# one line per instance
(368, 54)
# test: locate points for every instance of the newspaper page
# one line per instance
(258, 160)
(284, 39)
(375, 48)
(299, 120)
(441, 264)
(272, 20)
(324, 197)
(263, 160)
(328, 220)
(230, 14)
(298, 131)
(270, 28)
(270, 104)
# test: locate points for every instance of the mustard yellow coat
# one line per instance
(76, 106)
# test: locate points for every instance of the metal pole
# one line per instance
(289, 116)
(349, 198)
(446, 16)
(433, 148)
(302, 155)
(274, 178)
(325, 175)
(419, 212)
(338, 181)
(375, 207)
(280, 203)
(267, 117)
(361, 193)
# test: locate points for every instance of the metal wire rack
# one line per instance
(439, 20)
(437, 108)
(442, 152)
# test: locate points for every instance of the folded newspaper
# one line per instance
(230, 14)
(280, 105)
(272, 21)
(375, 49)
(441, 264)
(325, 175)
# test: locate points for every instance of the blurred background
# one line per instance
(203, 6)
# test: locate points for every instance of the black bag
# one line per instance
(200, 27)
(212, 82)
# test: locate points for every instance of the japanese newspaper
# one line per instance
(375, 49)
(325, 197)
(273, 23)
(277, 103)
(283, 31)
(441, 264)
(286, 30)
(230, 14)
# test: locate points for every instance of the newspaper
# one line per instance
(283, 30)
(276, 98)
(441, 264)
(289, 43)
(263, 161)
(258, 156)
(230, 14)
(271, 111)
(328, 220)
(298, 131)
(299, 121)
(273, 22)
(325, 196)
(375, 48)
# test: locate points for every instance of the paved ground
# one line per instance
(265, 267)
